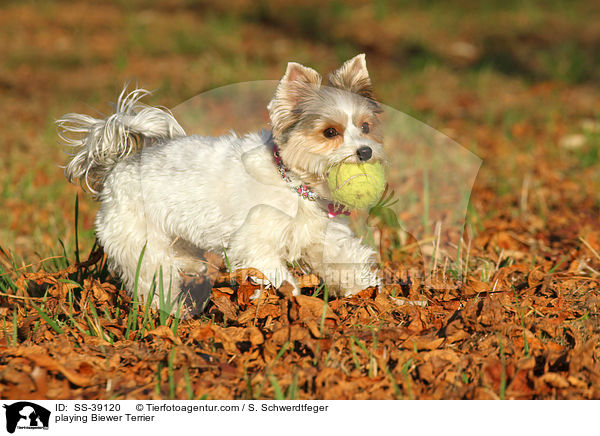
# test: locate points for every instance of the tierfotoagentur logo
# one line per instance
(24, 415)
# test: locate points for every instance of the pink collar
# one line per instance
(335, 210)
(303, 190)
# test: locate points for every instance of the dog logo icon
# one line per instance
(26, 415)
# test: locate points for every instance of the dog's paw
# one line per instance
(265, 284)
(345, 284)
(258, 281)
(256, 295)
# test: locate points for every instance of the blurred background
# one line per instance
(516, 82)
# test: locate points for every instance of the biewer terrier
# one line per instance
(262, 200)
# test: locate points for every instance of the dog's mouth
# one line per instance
(373, 158)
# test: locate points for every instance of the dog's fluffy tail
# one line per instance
(100, 143)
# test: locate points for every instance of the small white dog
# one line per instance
(261, 199)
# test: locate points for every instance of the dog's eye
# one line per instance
(330, 133)
(365, 127)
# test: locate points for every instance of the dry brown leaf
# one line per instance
(166, 333)
(308, 281)
(313, 327)
(312, 307)
(553, 379)
(577, 382)
(227, 308)
(51, 364)
(255, 336)
(428, 342)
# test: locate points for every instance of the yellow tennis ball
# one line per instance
(357, 186)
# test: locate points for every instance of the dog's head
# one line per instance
(318, 126)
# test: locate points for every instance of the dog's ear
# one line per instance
(296, 72)
(353, 76)
(297, 84)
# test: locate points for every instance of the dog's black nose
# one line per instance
(364, 153)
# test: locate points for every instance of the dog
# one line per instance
(260, 200)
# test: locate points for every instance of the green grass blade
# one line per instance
(147, 311)
(48, 320)
(503, 372)
(15, 329)
(188, 384)
(171, 374)
(276, 388)
(132, 318)
(77, 259)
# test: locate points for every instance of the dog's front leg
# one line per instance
(259, 243)
(341, 259)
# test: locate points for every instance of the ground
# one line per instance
(516, 84)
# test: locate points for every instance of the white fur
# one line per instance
(100, 143)
(216, 194)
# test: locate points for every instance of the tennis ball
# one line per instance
(357, 186)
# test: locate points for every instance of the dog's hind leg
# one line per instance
(133, 244)
(124, 232)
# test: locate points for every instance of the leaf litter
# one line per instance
(525, 334)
